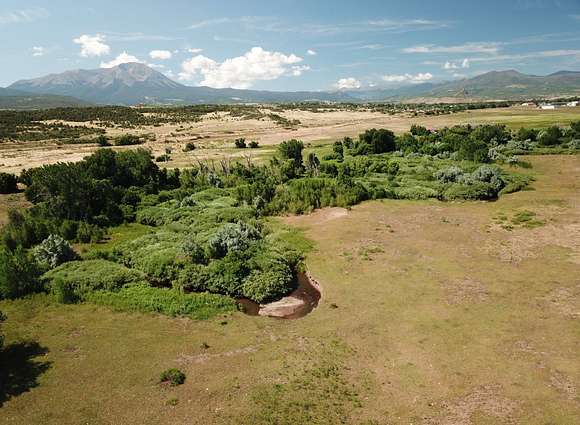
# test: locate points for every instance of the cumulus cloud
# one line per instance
(348, 84)
(449, 65)
(92, 45)
(311, 52)
(242, 71)
(122, 58)
(481, 47)
(194, 51)
(160, 54)
(408, 78)
(38, 51)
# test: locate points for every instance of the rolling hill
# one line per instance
(16, 99)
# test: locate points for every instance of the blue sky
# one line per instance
(291, 45)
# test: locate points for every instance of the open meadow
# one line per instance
(432, 313)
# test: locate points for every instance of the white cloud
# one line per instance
(524, 56)
(92, 45)
(194, 51)
(38, 51)
(160, 54)
(456, 65)
(371, 47)
(156, 66)
(348, 84)
(272, 24)
(298, 70)
(311, 52)
(122, 58)
(23, 16)
(408, 78)
(242, 71)
(481, 47)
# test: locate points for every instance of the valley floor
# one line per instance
(214, 135)
(432, 313)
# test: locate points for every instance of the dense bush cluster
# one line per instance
(208, 241)
(8, 183)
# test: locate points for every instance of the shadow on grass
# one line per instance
(19, 371)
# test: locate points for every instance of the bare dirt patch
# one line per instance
(528, 243)
(465, 291)
(565, 300)
(485, 400)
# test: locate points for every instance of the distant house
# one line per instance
(547, 107)
(572, 104)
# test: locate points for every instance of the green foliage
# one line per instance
(375, 141)
(170, 302)
(272, 280)
(232, 237)
(189, 146)
(8, 183)
(449, 175)
(103, 141)
(128, 140)
(550, 136)
(254, 144)
(240, 143)
(525, 134)
(76, 279)
(292, 150)
(18, 274)
(53, 251)
(172, 376)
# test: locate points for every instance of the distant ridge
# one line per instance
(15, 99)
(136, 83)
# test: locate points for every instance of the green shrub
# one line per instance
(254, 144)
(19, 274)
(128, 140)
(449, 175)
(53, 251)
(266, 285)
(474, 191)
(163, 158)
(550, 136)
(89, 233)
(415, 193)
(103, 141)
(189, 146)
(170, 302)
(172, 376)
(8, 183)
(232, 237)
(76, 279)
(240, 143)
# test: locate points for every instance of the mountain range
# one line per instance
(135, 83)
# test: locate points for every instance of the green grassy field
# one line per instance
(433, 313)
